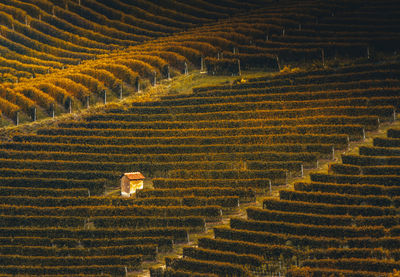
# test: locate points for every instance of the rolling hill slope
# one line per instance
(331, 76)
(206, 153)
(78, 56)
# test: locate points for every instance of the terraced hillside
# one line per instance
(283, 120)
(343, 223)
(59, 56)
(206, 153)
(41, 38)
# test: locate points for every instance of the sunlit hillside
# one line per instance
(265, 133)
(80, 52)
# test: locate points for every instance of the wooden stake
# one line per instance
(121, 87)
(270, 188)
(323, 56)
(17, 118)
(277, 62)
(34, 114)
(52, 110)
(186, 68)
(70, 105)
(87, 102)
(104, 96)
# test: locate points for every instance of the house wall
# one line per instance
(136, 184)
(125, 186)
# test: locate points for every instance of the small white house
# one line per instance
(130, 182)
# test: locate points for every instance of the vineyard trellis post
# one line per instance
(155, 78)
(69, 105)
(17, 118)
(121, 88)
(52, 110)
(104, 96)
(34, 114)
(87, 102)
(186, 68)
(138, 85)
(277, 62)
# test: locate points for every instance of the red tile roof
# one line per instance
(134, 176)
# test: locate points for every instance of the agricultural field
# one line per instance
(267, 131)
